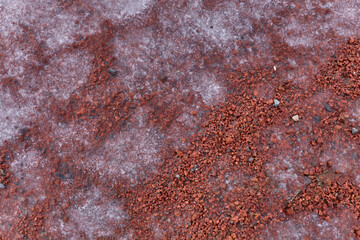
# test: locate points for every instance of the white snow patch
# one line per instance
(130, 153)
(25, 162)
(12, 115)
(61, 29)
(65, 73)
(91, 214)
(346, 17)
(70, 135)
(137, 58)
(222, 26)
(26, 167)
(52, 24)
(14, 60)
(60, 78)
(310, 226)
(284, 170)
(298, 33)
(343, 18)
(210, 89)
(120, 9)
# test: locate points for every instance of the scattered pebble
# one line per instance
(296, 118)
(276, 103)
(112, 72)
(317, 119)
(2, 186)
(23, 131)
(327, 107)
(194, 168)
(163, 78)
(354, 131)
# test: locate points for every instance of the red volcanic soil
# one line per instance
(145, 119)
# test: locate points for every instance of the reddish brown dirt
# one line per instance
(241, 169)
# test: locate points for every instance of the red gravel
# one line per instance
(189, 145)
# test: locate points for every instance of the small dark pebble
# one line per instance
(43, 150)
(60, 175)
(23, 131)
(112, 72)
(163, 78)
(327, 107)
(317, 119)
(7, 158)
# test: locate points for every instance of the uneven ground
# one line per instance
(145, 119)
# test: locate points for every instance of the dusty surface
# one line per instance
(144, 119)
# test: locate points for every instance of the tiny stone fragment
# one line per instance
(317, 119)
(23, 131)
(354, 131)
(163, 78)
(112, 72)
(194, 168)
(276, 103)
(296, 118)
(251, 159)
(327, 107)
(2, 186)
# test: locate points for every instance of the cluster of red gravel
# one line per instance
(326, 191)
(330, 188)
(342, 73)
(226, 183)
(221, 186)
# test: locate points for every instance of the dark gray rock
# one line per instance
(327, 107)
(112, 72)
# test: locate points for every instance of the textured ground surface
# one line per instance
(145, 119)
